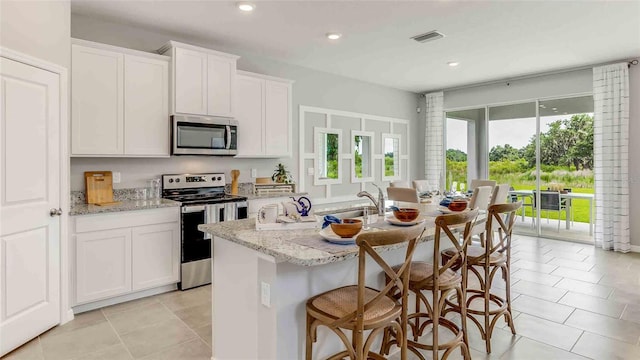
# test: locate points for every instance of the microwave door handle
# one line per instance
(228, 135)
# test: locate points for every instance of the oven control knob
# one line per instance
(219, 178)
(170, 180)
(177, 180)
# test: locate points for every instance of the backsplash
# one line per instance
(79, 197)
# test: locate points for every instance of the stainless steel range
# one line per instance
(203, 201)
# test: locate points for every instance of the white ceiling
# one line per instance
(492, 40)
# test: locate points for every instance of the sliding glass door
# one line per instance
(543, 149)
(512, 156)
(566, 168)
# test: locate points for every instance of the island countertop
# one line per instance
(279, 245)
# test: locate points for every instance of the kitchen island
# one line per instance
(262, 280)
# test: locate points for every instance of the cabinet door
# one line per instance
(276, 129)
(97, 116)
(221, 80)
(250, 115)
(103, 264)
(146, 112)
(190, 82)
(156, 255)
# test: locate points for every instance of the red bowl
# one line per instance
(458, 205)
(406, 214)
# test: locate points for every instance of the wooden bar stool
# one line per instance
(484, 263)
(441, 281)
(359, 308)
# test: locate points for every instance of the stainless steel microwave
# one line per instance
(199, 135)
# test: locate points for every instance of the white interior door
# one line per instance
(29, 189)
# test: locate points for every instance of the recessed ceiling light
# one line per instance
(245, 6)
(453, 63)
(334, 36)
(543, 106)
(554, 109)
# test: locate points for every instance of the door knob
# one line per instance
(55, 212)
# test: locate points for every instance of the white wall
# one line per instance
(634, 151)
(37, 28)
(312, 88)
(556, 85)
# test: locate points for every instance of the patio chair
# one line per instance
(549, 201)
(514, 199)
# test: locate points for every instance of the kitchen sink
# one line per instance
(351, 212)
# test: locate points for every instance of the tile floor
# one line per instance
(570, 301)
(175, 325)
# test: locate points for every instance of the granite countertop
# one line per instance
(278, 243)
(125, 205)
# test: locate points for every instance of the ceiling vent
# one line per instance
(430, 36)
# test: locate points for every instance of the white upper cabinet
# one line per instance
(203, 80)
(146, 107)
(277, 126)
(264, 116)
(119, 102)
(190, 81)
(97, 118)
(249, 115)
(221, 84)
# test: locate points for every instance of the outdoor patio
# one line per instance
(578, 231)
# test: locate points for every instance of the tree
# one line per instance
(456, 155)
(567, 142)
(508, 152)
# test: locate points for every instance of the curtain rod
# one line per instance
(535, 75)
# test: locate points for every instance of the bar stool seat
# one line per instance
(475, 255)
(421, 271)
(338, 303)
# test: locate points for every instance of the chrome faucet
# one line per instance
(378, 204)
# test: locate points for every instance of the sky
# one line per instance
(515, 132)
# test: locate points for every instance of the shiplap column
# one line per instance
(611, 156)
(434, 140)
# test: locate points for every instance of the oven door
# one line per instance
(204, 136)
(196, 245)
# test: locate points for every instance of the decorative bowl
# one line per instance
(406, 214)
(348, 228)
(457, 205)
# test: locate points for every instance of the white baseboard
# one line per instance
(635, 248)
(124, 298)
(66, 316)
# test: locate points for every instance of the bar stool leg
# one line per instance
(508, 296)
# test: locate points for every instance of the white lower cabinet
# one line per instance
(103, 261)
(155, 252)
(120, 253)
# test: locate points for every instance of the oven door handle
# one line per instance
(228, 136)
(192, 209)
